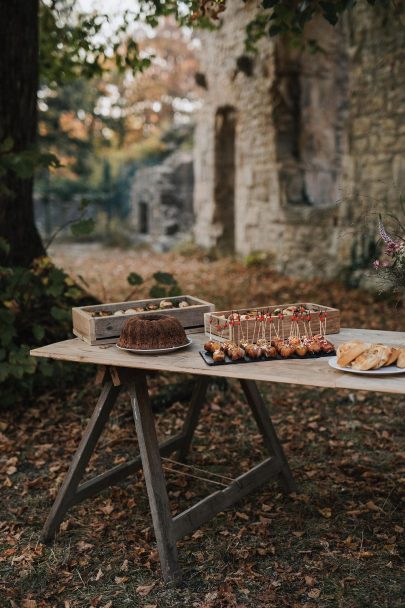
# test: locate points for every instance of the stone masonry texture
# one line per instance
(319, 142)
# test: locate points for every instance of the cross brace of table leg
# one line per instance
(187, 521)
(71, 492)
(167, 529)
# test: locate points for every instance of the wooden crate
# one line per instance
(106, 330)
(248, 329)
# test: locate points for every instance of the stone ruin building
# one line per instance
(162, 202)
(282, 136)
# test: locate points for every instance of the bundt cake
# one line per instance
(146, 332)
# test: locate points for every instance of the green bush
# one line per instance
(35, 309)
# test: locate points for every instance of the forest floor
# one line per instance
(335, 544)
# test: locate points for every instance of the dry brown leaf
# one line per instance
(314, 593)
(242, 515)
(310, 581)
(326, 512)
(108, 508)
(83, 546)
(145, 589)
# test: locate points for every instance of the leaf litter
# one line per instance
(336, 543)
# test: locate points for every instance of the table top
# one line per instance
(309, 372)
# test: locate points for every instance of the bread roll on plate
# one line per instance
(347, 352)
(394, 356)
(373, 358)
(401, 358)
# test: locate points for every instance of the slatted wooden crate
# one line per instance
(106, 329)
(250, 329)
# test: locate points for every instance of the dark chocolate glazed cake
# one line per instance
(147, 332)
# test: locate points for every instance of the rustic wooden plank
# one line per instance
(116, 474)
(154, 478)
(101, 330)
(101, 375)
(193, 414)
(208, 507)
(268, 432)
(310, 372)
(249, 327)
(82, 455)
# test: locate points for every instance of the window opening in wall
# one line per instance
(143, 218)
(310, 108)
(224, 188)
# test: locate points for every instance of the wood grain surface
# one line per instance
(310, 372)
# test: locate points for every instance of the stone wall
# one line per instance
(315, 139)
(162, 202)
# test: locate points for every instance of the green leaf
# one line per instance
(6, 145)
(134, 278)
(60, 314)
(4, 371)
(4, 246)
(38, 332)
(175, 290)
(156, 291)
(164, 277)
(83, 227)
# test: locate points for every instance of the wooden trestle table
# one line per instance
(119, 369)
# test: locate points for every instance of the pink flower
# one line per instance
(376, 264)
(393, 247)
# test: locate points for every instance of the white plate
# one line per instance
(382, 371)
(155, 351)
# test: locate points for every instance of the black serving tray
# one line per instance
(210, 361)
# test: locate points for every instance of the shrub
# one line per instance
(35, 309)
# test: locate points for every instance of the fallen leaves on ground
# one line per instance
(334, 544)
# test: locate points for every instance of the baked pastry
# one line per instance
(228, 346)
(236, 353)
(152, 307)
(347, 352)
(164, 304)
(301, 350)
(211, 346)
(401, 358)
(373, 358)
(314, 347)
(218, 356)
(253, 351)
(269, 351)
(393, 356)
(286, 351)
(146, 332)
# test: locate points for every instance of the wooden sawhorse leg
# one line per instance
(193, 415)
(67, 494)
(154, 478)
(268, 432)
(168, 529)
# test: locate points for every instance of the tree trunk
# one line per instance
(19, 50)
